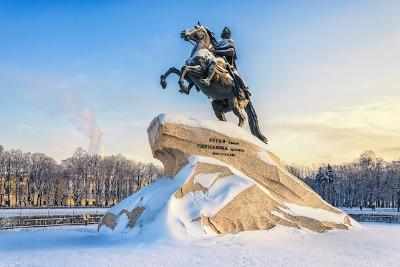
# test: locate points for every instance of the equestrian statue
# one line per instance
(211, 69)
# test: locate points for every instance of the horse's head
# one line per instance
(199, 33)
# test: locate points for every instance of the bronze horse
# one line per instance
(222, 87)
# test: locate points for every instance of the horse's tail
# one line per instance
(253, 122)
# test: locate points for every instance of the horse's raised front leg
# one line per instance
(163, 77)
(234, 105)
(196, 70)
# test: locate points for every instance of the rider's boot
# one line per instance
(183, 88)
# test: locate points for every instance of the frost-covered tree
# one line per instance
(29, 179)
(368, 181)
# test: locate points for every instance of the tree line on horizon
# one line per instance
(37, 180)
(367, 182)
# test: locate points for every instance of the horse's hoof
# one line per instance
(163, 84)
(205, 82)
(241, 123)
(184, 91)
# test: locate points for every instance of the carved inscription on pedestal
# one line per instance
(222, 147)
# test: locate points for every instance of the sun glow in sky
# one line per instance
(324, 75)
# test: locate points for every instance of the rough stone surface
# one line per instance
(108, 220)
(223, 181)
(261, 206)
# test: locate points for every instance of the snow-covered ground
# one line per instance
(8, 213)
(372, 245)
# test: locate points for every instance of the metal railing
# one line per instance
(376, 211)
(382, 215)
(31, 222)
(46, 212)
(46, 217)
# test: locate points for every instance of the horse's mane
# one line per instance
(212, 36)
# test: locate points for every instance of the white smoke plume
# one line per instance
(94, 131)
(85, 122)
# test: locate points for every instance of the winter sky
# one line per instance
(324, 75)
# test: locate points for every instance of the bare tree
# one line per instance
(368, 181)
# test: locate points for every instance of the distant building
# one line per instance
(16, 193)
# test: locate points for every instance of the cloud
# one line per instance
(339, 135)
(348, 72)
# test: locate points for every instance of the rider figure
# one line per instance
(226, 48)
